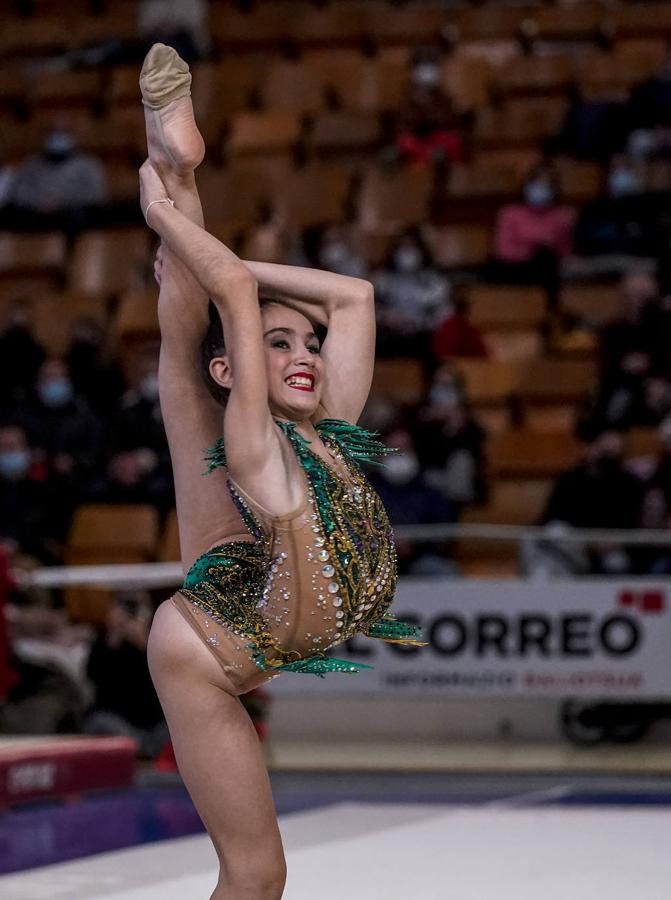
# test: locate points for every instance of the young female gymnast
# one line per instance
(286, 548)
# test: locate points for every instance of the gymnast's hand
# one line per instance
(152, 188)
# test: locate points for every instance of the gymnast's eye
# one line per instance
(281, 343)
(314, 348)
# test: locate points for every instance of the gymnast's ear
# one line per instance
(221, 372)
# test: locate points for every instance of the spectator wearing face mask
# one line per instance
(330, 247)
(412, 298)
(36, 504)
(632, 347)
(428, 128)
(61, 424)
(409, 500)
(599, 493)
(650, 102)
(450, 443)
(20, 358)
(60, 188)
(125, 700)
(457, 336)
(96, 375)
(532, 236)
(139, 468)
(624, 219)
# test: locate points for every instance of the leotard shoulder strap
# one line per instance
(358, 444)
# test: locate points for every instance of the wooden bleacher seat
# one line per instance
(514, 346)
(237, 193)
(641, 442)
(512, 502)
(222, 88)
(494, 419)
(468, 81)
(583, 21)
(556, 417)
(55, 90)
(611, 76)
(471, 180)
(579, 181)
(109, 261)
(547, 75)
(386, 24)
(119, 136)
(344, 133)
(526, 453)
(107, 533)
(122, 85)
(489, 382)
(13, 87)
(54, 314)
(34, 37)
(399, 380)
(459, 246)
(389, 78)
(519, 122)
(557, 380)
(168, 546)
(594, 303)
(505, 308)
(136, 319)
(264, 132)
(345, 76)
(520, 160)
(265, 26)
(265, 243)
(122, 180)
(116, 21)
(288, 87)
(640, 20)
(26, 254)
(334, 25)
(490, 21)
(394, 199)
(313, 194)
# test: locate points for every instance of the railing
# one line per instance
(159, 575)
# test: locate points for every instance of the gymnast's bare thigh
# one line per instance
(175, 648)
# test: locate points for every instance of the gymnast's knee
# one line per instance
(262, 877)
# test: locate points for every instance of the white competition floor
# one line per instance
(517, 850)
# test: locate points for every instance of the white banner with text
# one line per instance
(579, 638)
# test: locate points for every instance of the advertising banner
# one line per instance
(579, 638)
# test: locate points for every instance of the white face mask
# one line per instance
(539, 193)
(401, 468)
(426, 74)
(408, 259)
(622, 183)
(444, 395)
(149, 387)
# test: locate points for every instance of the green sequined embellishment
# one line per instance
(321, 666)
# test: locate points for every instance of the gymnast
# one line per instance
(286, 549)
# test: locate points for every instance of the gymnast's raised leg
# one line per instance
(217, 749)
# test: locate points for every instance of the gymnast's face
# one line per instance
(293, 364)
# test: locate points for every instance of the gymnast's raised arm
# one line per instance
(251, 438)
(346, 307)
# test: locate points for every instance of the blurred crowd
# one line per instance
(84, 428)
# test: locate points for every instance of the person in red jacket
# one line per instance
(458, 336)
